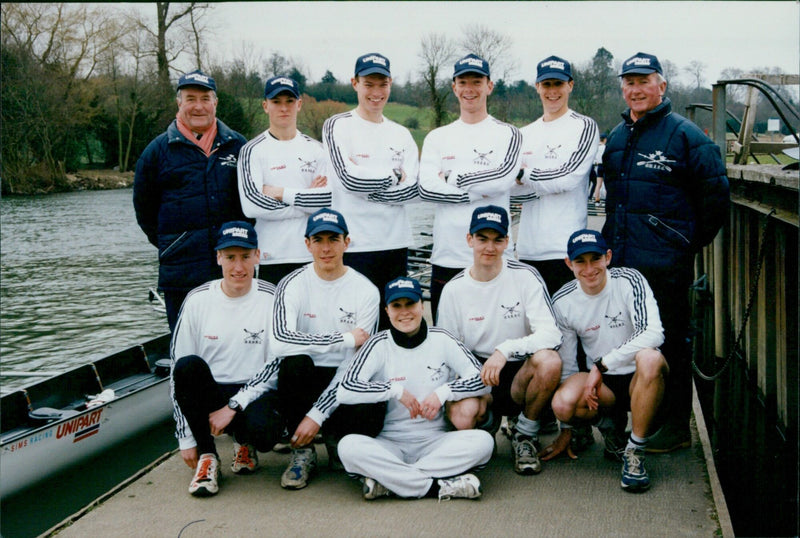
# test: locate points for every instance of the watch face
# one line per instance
(233, 405)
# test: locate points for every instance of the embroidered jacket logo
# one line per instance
(307, 166)
(657, 161)
(551, 152)
(228, 160)
(397, 154)
(615, 321)
(482, 158)
(510, 311)
(437, 373)
(253, 337)
(347, 317)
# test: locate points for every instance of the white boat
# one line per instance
(66, 419)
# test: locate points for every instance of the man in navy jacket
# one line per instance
(185, 188)
(667, 197)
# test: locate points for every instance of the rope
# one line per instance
(736, 348)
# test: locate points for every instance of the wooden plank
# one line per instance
(767, 174)
(765, 322)
(781, 372)
(782, 215)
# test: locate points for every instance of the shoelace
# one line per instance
(299, 459)
(202, 474)
(243, 456)
(634, 463)
(525, 449)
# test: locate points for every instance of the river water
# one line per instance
(74, 275)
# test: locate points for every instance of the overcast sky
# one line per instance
(330, 35)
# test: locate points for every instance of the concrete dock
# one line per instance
(569, 498)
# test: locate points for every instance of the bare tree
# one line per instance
(437, 51)
(695, 69)
(492, 46)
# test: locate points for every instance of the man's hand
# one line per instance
(592, 387)
(319, 181)
(561, 444)
(490, 373)
(219, 419)
(411, 403)
(273, 192)
(360, 335)
(431, 406)
(305, 433)
(189, 456)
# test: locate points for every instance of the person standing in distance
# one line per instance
(184, 189)
(281, 181)
(374, 168)
(466, 164)
(557, 156)
(667, 197)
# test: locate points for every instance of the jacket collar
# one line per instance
(651, 116)
(224, 134)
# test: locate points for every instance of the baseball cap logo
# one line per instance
(375, 59)
(494, 217)
(585, 238)
(554, 64)
(284, 81)
(475, 62)
(401, 284)
(327, 217)
(236, 232)
(639, 61)
(198, 77)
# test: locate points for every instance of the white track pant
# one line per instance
(407, 467)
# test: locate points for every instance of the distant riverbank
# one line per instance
(82, 180)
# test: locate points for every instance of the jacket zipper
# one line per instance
(172, 245)
(655, 221)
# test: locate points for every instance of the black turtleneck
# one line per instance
(410, 342)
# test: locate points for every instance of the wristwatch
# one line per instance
(600, 366)
(233, 404)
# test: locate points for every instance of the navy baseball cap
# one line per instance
(326, 220)
(199, 79)
(471, 63)
(489, 216)
(403, 287)
(371, 64)
(553, 67)
(237, 233)
(641, 63)
(584, 241)
(280, 84)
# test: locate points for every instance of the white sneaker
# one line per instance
(373, 489)
(303, 464)
(245, 458)
(465, 486)
(205, 482)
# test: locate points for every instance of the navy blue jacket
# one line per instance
(181, 197)
(667, 190)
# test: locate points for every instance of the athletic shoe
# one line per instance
(245, 458)
(614, 440)
(205, 482)
(582, 438)
(303, 464)
(668, 438)
(283, 445)
(634, 475)
(373, 489)
(465, 486)
(526, 460)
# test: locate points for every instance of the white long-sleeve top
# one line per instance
(363, 156)
(314, 317)
(615, 324)
(511, 313)
(558, 156)
(232, 335)
(480, 161)
(291, 164)
(382, 369)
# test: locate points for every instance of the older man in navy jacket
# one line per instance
(185, 188)
(668, 197)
